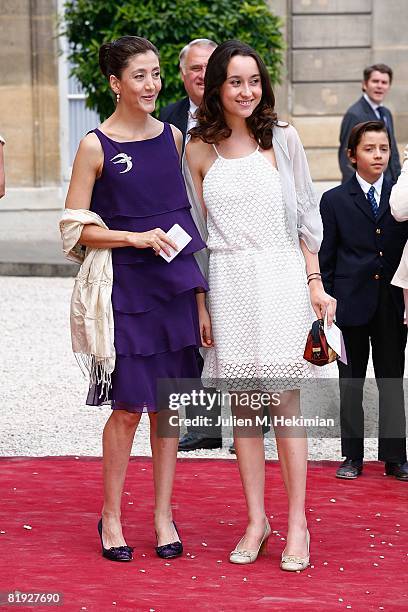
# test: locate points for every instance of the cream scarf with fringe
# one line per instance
(91, 316)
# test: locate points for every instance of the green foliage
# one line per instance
(169, 24)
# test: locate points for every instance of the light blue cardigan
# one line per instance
(302, 207)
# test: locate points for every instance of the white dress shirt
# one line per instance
(373, 105)
(192, 121)
(366, 186)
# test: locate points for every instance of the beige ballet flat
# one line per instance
(291, 563)
(249, 556)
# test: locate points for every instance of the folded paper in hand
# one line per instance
(180, 237)
(335, 340)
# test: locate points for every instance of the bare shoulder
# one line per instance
(178, 137)
(200, 157)
(86, 169)
(90, 154)
(197, 148)
(90, 145)
(198, 144)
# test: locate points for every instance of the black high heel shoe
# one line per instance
(115, 553)
(169, 551)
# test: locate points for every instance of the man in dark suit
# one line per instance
(376, 84)
(193, 64)
(361, 250)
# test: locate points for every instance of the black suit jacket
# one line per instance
(358, 251)
(359, 112)
(177, 114)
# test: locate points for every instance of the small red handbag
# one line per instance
(317, 350)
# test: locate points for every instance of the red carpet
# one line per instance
(359, 541)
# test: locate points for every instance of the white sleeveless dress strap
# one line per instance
(220, 156)
(216, 150)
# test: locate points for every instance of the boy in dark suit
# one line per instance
(361, 250)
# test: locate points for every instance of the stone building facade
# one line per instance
(329, 42)
(29, 93)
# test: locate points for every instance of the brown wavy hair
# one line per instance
(211, 125)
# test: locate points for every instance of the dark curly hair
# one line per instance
(211, 125)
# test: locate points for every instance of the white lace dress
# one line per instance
(258, 300)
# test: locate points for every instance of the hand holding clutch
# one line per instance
(317, 350)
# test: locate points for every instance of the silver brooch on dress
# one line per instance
(123, 158)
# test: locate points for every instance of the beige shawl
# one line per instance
(92, 331)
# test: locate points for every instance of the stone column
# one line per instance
(29, 92)
(44, 54)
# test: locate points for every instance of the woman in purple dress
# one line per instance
(128, 172)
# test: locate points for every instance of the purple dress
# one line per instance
(154, 304)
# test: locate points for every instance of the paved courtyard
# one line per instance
(43, 389)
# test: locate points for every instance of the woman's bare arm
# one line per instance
(320, 300)
(178, 138)
(204, 321)
(197, 160)
(86, 169)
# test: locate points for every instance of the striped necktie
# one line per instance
(373, 201)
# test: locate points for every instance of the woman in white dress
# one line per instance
(264, 232)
